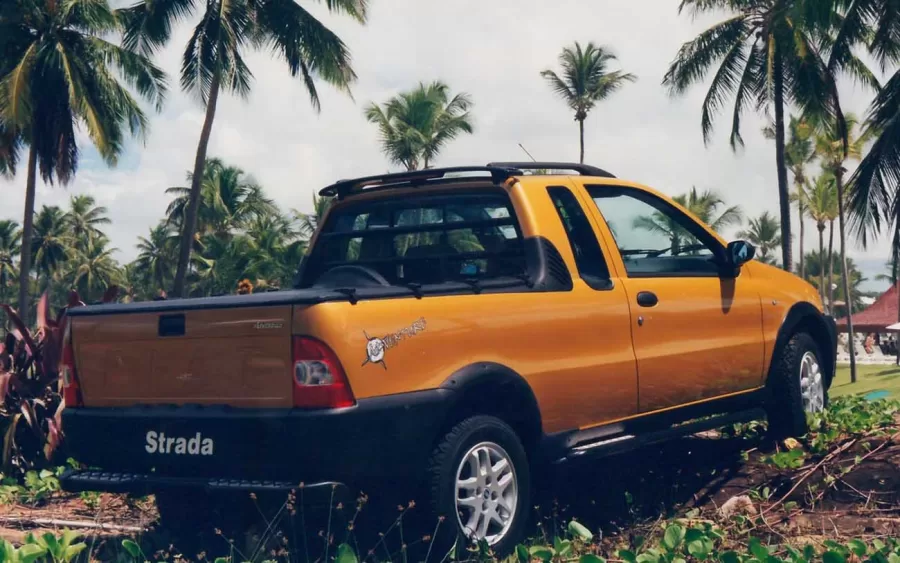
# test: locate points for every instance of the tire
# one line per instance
(787, 408)
(501, 499)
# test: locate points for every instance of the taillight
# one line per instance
(71, 390)
(319, 379)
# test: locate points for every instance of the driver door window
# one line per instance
(654, 238)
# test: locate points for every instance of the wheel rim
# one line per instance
(812, 388)
(486, 493)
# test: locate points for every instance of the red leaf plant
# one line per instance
(30, 389)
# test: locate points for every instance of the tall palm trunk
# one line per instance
(190, 216)
(783, 194)
(845, 277)
(27, 231)
(896, 274)
(821, 226)
(831, 266)
(581, 137)
(800, 212)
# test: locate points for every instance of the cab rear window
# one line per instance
(425, 240)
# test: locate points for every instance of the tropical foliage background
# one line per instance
(80, 64)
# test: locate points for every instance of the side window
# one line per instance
(653, 237)
(588, 256)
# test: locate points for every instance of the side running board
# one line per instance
(624, 442)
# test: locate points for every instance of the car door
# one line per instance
(697, 333)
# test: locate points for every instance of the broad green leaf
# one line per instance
(578, 530)
(564, 548)
(693, 534)
(833, 557)
(673, 537)
(345, 554)
(132, 548)
(758, 550)
(627, 556)
(679, 560)
(541, 552)
(31, 552)
(221, 560)
(647, 558)
(729, 557)
(893, 558)
(591, 558)
(73, 550)
(878, 544)
(858, 547)
(522, 554)
(699, 549)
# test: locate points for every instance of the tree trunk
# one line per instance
(581, 137)
(190, 216)
(896, 273)
(27, 232)
(801, 210)
(784, 196)
(831, 266)
(845, 275)
(821, 227)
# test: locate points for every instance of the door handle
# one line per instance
(647, 299)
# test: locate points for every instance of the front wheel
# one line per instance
(481, 484)
(798, 386)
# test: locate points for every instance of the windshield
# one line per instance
(425, 240)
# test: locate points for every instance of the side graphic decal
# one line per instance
(376, 347)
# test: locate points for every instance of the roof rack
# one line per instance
(582, 169)
(342, 188)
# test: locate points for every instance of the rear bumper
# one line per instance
(142, 484)
(213, 447)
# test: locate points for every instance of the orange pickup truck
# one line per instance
(455, 327)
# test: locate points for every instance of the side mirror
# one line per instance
(738, 253)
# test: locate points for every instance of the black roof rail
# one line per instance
(342, 188)
(582, 169)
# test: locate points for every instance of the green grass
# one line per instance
(868, 378)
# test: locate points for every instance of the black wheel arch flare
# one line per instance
(495, 389)
(804, 316)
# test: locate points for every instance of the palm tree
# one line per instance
(706, 206)
(768, 53)
(10, 239)
(765, 234)
(822, 205)
(799, 153)
(84, 219)
(214, 60)
(834, 147)
(415, 125)
(586, 80)
(229, 199)
(94, 269)
(59, 73)
(309, 222)
(816, 261)
(51, 244)
(155, 256)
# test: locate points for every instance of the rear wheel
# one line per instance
(797, 386)
(481, 484)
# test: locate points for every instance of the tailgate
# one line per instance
(230, 356)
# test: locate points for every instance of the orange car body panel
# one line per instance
(583, 352)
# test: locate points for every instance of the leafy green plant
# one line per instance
(61, 549)
(790, 459)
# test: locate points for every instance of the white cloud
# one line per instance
(492, 50)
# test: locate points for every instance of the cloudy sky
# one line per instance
(494, 50)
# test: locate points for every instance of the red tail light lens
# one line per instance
(319, 379)
(71, 390)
